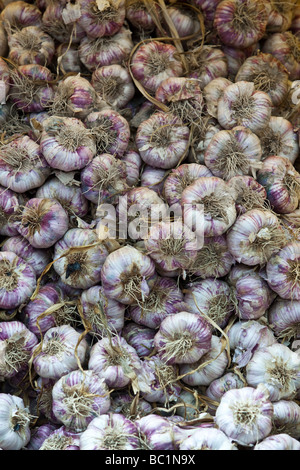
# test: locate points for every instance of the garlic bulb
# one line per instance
(218, 387)
(55, 21)
(285, 47)
(153, 178)
(59, 352)
(156, 433)
(278, 368)
(31, 45)
(184, 19)
(9, 205)
(139, 337)
(61, 439)
(279, 138)
(139, 16)
(68, 58)
(283, 272)
(20, 14)
(249, 193)
(212, 93)
(286, 418)
(101, 18)
(207, 64)
(15, 420)
(38, 436)
(284, 318)
(278, 442)
(245, 414)
(121, 402)
(207, 439)
(280, 15)
(114, 85)
(78, 398)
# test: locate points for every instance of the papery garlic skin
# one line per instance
(17, 280)
(67, 144)
(110, 432)
(101, 19)
(43, 222)
(102, 313)
(104, 51)
(162, 140)
(114, 360)
(249, 238)
(78, 398)
(213, 259)
(278, 368)
(207, 439)
(128, 275)
(22, 165)
(15, 421)
(233, 152)
(16, 343)
(283, 272)
(31, 46)
(280, 139)
(218, 361)
(61, 439)
(245, 414)
(114, 85)
(278, 442)
(182, 338)
(57, 352)
(82, 268)
(53, 23)
(285, 47)
(284, 318)
(242, 105)
(153, 62)
(246, 337)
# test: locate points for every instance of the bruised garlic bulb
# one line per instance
(282, 272)
(278, 368)
(15, 421)
(207, 439)
(245, 414)
(279, 138)
(242, 105)
(59, 353)
(114, 85)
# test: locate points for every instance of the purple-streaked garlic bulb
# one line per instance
(9, 205)
(246, 337)
(183, 97)
(100, 19)
(213, 259)
(156, 433)
(212, 196)
(164, 299)
(286, 48)
(199, 374)
(16, 344)
(172, 246)
(110, 432)
(184, 20)
(128, 275)
(284, 318)
(18, 15)
(235, 58)
(249, 193)
(103, 314)
(180, 178)
(38, 259)
(43, 222)
(140, 16)
(78, 398)
(153, 178)
(53, 23)
(22, 165)
(79, 267)
(255, 237)
(253, 294)
(280, 15)
(104, 51)
(207, 439)
(162, 140)
(38, 436)
(121, 402)
(139, 337)
(201, 138)
(31, 45)
(242, 105)
(287, 417)
(103, 179)
(60, 352)
(245, 414)
(212, 297)
(15, 421)
(283, 272)
(218, 387)
(17, 280)
(278, 442)
(68, 58)
(114, 85)
(207, 64)
(182, 338)
(154, 62)
(278, 367)
(282, 183)
(110, 130)
(61, 439)
(115, 361)
(133, 166)
(31, 89)
(240, 23)
(234, 152)
(69, 196)
(279, 138)
(66, 143)
(208, 9)
(158, 382)
(212, 92)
